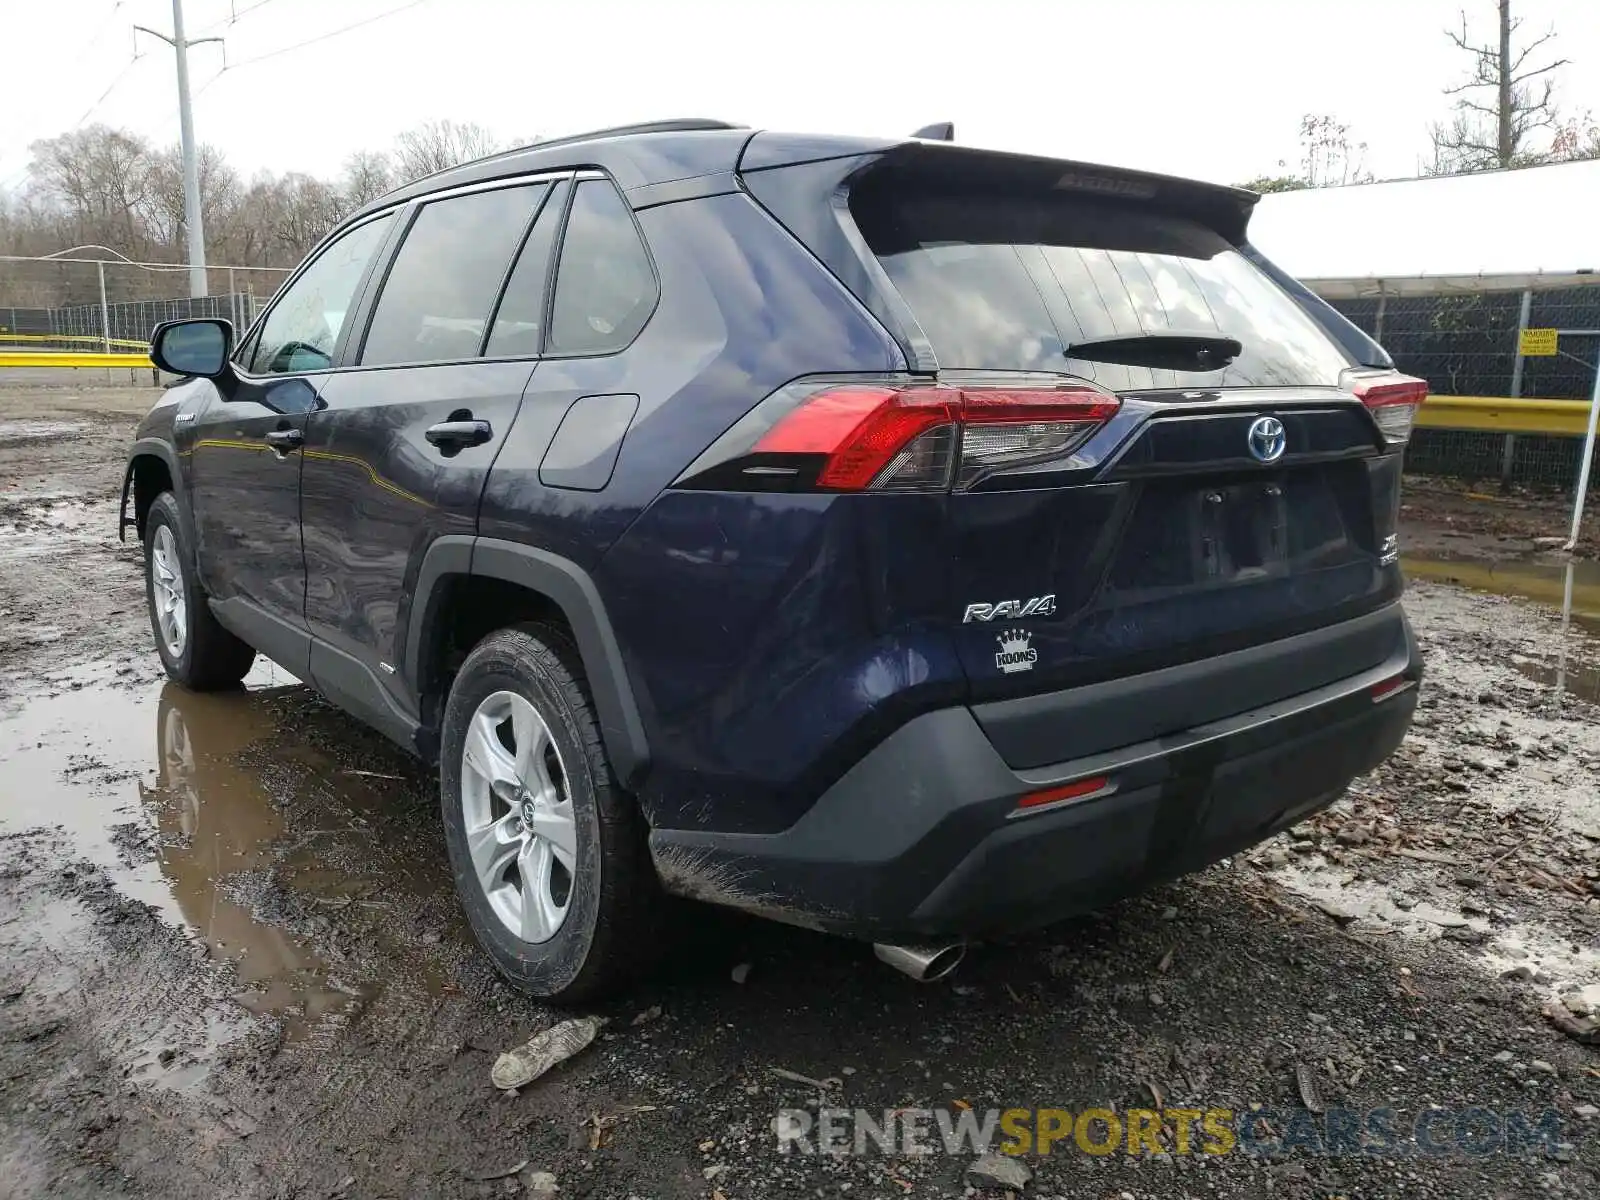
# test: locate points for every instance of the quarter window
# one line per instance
(605, 288)
(303, 328)
(436, 301)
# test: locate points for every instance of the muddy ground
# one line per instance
(230, 963)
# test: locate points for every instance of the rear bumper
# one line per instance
(923, 837)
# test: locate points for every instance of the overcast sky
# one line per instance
(1209, 88)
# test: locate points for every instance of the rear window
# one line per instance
(1011, 283)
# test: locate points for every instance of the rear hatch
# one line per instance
(1234, 490)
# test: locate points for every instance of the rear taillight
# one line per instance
(1392, 398)
(855, 437)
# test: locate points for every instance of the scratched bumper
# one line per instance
(923, 837)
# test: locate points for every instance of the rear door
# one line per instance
(557, 493)
(1228, 503)
(398, 449)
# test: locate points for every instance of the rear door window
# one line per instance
(519, 321)
(1013, 283)
(436, 300)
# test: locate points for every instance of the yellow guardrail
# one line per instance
(71, 358)
(1501, 414)
(79, 338)
(1487, 414)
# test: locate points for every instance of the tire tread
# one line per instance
(626, 939)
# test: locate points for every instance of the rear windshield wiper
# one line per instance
(1167, 351)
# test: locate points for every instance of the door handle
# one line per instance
(285, 440)
(451, 436)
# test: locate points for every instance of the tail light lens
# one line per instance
(1392, 398)
(848, 437)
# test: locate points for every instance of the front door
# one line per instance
(400, 445)
(243, 451)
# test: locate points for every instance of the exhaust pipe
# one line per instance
(922, 963)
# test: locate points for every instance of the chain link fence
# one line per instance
(1466, 344)
(92, 304)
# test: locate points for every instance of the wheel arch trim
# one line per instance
(571, 589)
(162, 450)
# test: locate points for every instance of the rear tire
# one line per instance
(195, 650)
(548, 852)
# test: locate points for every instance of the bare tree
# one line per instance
(1576, 139)
(1328, 158)
(1268, 184)
(367, 175)
(163, 206)
(439, 145)
(109, 187)
(1504, 101)
(96, 182)
(307, 208)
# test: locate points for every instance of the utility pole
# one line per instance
(1505, 140)
(194, 222)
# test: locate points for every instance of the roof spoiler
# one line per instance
(944, 164)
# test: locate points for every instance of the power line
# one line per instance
(227, 67)
(110, 87)
(332, 33)
(235, 15)
(18, 175)
(199, 91)
(101, 29)
(100, 32)
(241, 14)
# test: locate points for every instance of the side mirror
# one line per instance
(195, 347)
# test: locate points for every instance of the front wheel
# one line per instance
(548, 853)
(195, 650)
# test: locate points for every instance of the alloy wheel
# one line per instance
(517, 810)
(167, 591)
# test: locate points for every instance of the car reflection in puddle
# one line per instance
(1573, 587)
(216, 828)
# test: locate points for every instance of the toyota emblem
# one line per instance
(1267, 439)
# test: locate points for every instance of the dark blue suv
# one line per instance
(889, 537)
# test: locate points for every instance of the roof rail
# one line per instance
(675, 125)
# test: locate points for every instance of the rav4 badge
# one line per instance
(1039, 606)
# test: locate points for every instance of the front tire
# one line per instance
(548, 853)
(195, 650)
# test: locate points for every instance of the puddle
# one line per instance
(150, 784)
(1572, 586)
(32, 526)
(15, 433)
(1559, 966)
(1574, 679)
(1544, 582)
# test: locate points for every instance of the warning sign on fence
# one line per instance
(1537, 343)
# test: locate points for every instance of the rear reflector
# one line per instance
(1389, 687)
(1081, 789)
(1392, 398)
(922, 438)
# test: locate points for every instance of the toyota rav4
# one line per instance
(903, 540)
